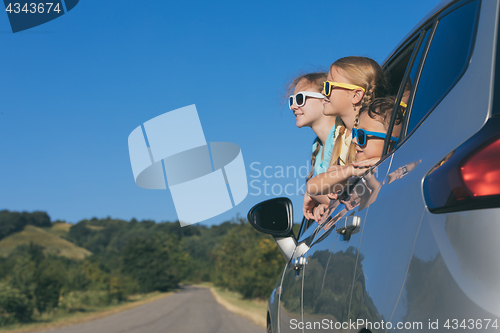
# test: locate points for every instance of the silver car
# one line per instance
(415, 243)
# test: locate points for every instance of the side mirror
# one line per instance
(273, 217)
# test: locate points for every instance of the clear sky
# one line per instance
(73, 89)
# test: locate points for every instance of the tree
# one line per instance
(247, 262)
(11, 222)
(50, 278)
(153, 262)
(14, 305)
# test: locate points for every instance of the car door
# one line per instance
(334, 288)
(333, 266)
(290, 305)
(397, 223)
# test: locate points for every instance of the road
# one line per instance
(192, 309)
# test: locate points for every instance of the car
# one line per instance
(421, 251)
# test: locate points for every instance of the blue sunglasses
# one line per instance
(362, 136)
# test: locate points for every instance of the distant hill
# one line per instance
(11, 222)
(59, 229)
(52, 243)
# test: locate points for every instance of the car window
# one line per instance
(397, 66)
(446, 61)
(407, 62)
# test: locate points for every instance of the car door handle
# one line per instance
(298, 264)
(348, 226)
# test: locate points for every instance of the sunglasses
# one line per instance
(328, 85)
(362, 136)
(300, 98)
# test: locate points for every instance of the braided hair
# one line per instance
(316, 81)
(368, 74)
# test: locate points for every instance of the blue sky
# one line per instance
(74, 88)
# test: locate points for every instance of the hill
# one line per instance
(59, 229)
(52, 243)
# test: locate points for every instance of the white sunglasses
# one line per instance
(300, 98)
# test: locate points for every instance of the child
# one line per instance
(352, 83)
(307, 106)
(368, 141)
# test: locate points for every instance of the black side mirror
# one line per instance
(273, 217)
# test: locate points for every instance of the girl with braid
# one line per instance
(352, 82)
(307, 106)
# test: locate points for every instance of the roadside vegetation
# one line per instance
(50, 270)
(253, 309)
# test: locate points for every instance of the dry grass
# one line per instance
(254, 310)
(52, 243)
(63, 320)
(95, 227)
(59, 229)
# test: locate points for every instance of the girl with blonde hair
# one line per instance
(352, 82)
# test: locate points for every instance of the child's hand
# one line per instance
(361, 166)
(319, 211)
(308, 206)
(332, 196)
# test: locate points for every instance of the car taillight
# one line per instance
(468, 177)
(481, 172)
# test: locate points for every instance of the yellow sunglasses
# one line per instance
(328, 85)
(404, 106)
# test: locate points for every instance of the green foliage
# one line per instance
(14, 305)
(247, 262)
(22, 276)
(84, 300)
(50, 279)
(200, 247)
(11, 222)
(154, 262)
(125, 258)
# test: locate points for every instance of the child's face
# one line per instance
(312, 111)
(339, 103)
(374, 145)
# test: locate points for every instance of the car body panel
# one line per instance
(290, 306)
(406, 264)
(440, 133)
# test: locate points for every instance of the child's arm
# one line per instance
(335, 178)
(332, 180)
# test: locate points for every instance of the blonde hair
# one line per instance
(368, 74)
(316, 81)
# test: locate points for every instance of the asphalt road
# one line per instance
(191, 309)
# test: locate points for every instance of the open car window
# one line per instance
(446, 61)
(402, 70)
(441, 58)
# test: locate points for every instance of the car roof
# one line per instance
(435, 11)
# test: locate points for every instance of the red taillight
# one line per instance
(468, 177)
(481, 171)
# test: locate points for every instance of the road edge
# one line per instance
(81, 320)
(257, 319)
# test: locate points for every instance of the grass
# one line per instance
(59, 229)
(52, 243)
(254, 310)
(61, 319)
(95, 227)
